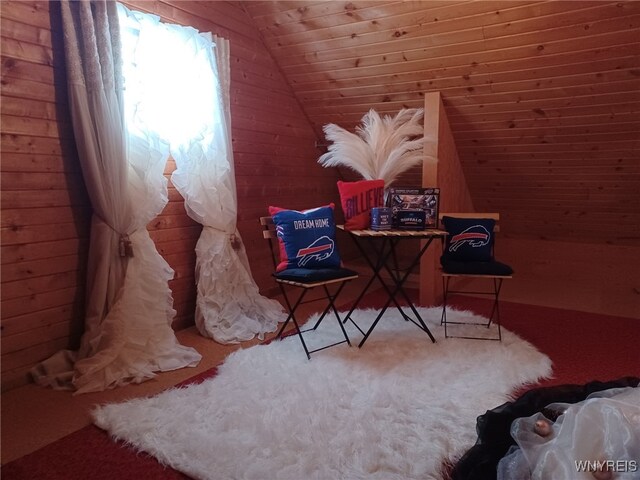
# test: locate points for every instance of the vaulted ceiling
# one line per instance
(543, 97)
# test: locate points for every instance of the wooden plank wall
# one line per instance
(45, 208)
(587, 277)
(543, 97)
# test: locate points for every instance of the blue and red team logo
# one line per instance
(475, 236)
(319, 250)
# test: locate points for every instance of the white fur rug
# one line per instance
(393, 409)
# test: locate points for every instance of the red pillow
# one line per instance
(357, 199)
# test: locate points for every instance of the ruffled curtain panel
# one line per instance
(128, 334)
(195, 120)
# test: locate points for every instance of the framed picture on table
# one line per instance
(414, 208)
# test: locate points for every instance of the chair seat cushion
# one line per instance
(313, 275)
(474, 268)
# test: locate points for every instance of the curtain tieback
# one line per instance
(125, 248)
(235, 241)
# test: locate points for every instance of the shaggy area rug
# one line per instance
(394, 409)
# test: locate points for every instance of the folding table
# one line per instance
(381, 257)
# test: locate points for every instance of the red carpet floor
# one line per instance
(582, 346)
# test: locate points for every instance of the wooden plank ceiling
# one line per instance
(543, 97)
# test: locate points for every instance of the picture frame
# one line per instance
(414, 199)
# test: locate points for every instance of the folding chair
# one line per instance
(318, 278)
(471, 228)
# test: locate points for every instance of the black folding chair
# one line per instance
(318, 278)
(492, 271)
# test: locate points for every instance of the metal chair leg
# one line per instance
(331, 306)
(286, 299)
(445, 294)
(292, 316)
(497, 286)
(335, 310)
(495, 309)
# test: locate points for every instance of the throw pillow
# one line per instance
(469, 239)
(357, 200)
(307, 238)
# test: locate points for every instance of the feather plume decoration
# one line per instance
(380, 148)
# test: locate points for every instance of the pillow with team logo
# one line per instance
(468, 239)
(357, 200)
(307, 238)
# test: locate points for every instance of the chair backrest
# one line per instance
(269, 229)
(269, 233)
(493, 215)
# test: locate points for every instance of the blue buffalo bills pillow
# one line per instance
(307, 238)
(468, 239)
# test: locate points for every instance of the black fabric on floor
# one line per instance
(494, 436)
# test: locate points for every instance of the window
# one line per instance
(170, 79)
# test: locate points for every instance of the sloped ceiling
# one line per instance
(543, 97)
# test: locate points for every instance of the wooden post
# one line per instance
(442, 170)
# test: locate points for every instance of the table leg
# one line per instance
(399, 281)
(383, 263)
(385, 254)
(399, 288)
(375, 268)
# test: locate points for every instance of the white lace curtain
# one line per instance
(181, 91)
(128, 334)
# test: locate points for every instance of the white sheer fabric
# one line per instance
(128, 334)
(229, 306)
(190, 74)
(596, 438)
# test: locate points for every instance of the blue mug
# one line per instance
(381, 218)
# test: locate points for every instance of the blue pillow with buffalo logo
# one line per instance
(468, 239)
(307, 238)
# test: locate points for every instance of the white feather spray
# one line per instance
(381, 148)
